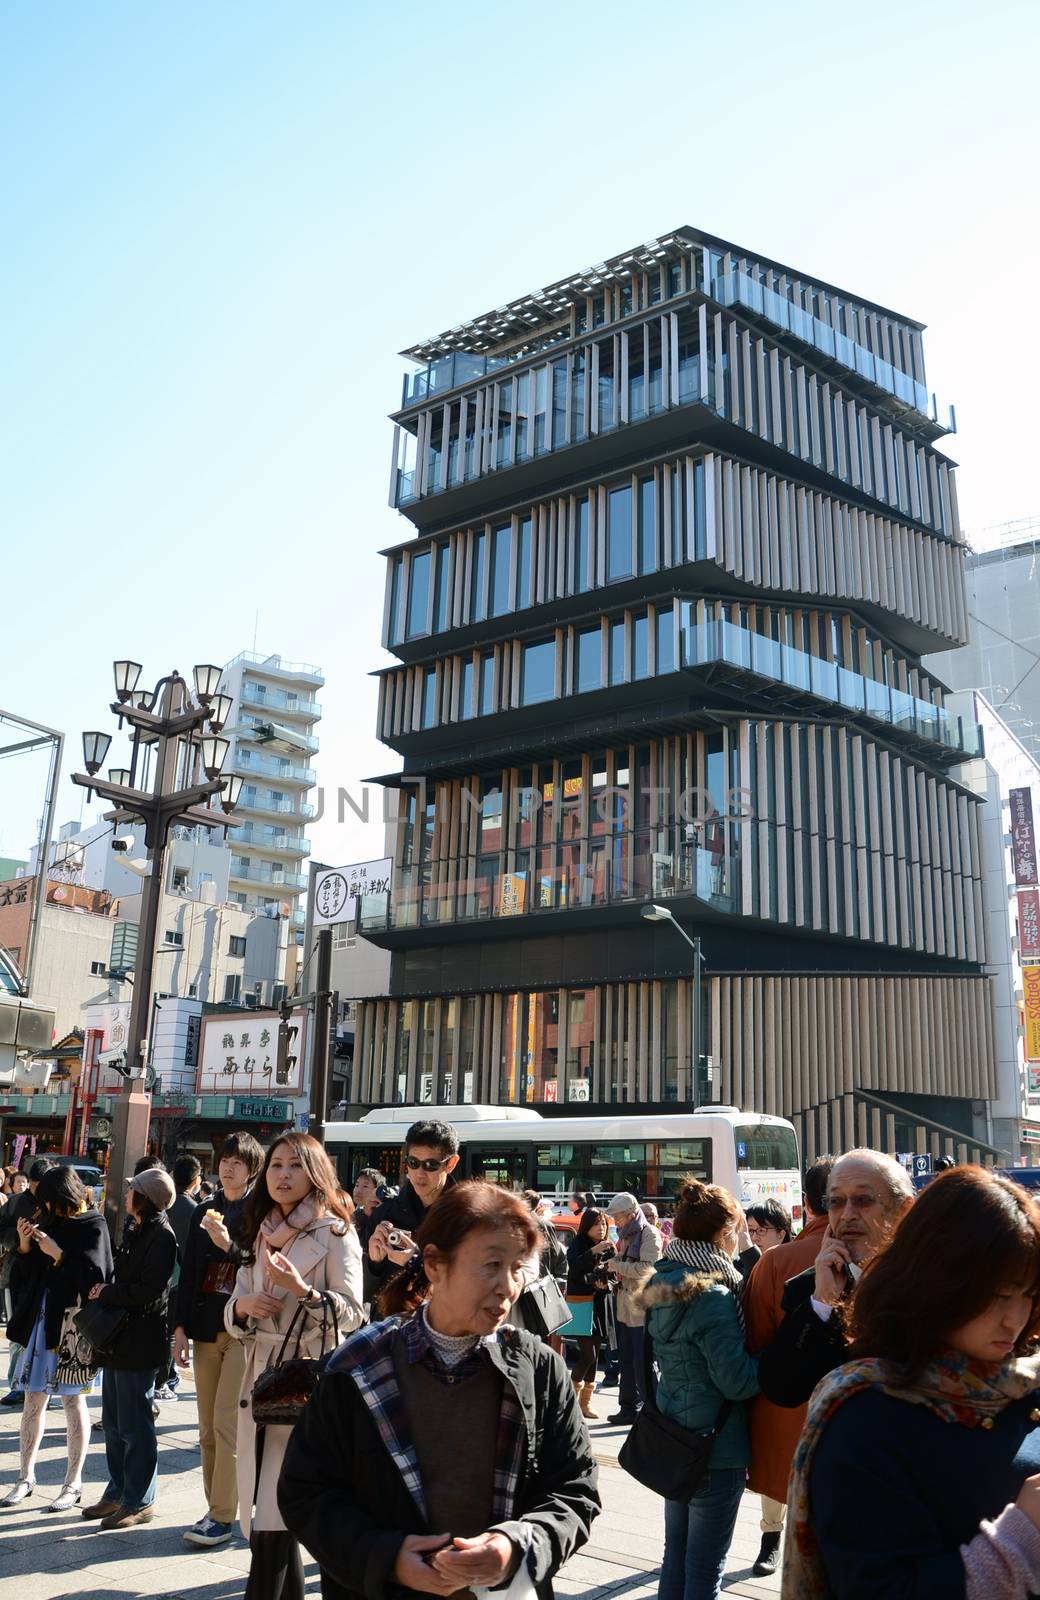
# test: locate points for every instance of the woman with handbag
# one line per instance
(135, 1339)
(304, 1262)
(696, 1328)
(444, 1450)
(59, 1259)
(587, 1280)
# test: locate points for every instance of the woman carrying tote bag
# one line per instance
(696, 1325)
(304, 1252)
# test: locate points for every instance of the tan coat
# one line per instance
(326, 1260)
(775, 1429)
(632, 1275)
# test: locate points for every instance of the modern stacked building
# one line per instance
(680, 537)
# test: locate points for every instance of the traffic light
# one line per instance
(285, 1069)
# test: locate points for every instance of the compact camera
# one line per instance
(396, 1240)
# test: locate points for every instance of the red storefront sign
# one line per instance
(1023, 836)
(1029, 924)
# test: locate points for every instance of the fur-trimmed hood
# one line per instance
(675, 1284)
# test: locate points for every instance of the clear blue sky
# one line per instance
(222, 222)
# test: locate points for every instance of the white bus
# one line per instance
(754, 1157)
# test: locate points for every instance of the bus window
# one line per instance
(497, 1164)
(651, 1170)
(766, 1148)
(667, 1163)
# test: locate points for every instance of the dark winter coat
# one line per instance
(698, 1343)
(896, 1490)
(804, 1348)
(344, 1497)
(403, 1210)
(201, 1313)
(586, 1275)
(86, 1259)
(16, 1205)
(143, 1268)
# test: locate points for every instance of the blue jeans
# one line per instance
(630, 1351)
(131, 1451)
(697, 1536)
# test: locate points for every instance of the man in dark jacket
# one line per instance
(431, 1154)
(211, 1259)
(19, 1205)
(867, 1194)
(348, 1495)
(187, 1176)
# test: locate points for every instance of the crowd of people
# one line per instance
(874, 1378)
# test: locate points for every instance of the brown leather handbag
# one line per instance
(283, 1389)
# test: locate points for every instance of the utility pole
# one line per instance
(324, 1007)
(176, 787)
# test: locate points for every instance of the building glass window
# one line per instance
(466, 691)
(538, 673)
(394, 623)
(581, 566)
(429, 698)
(523, 572)
(487, 685)
(619, 534)
(617, 652)
(501, 540)
(440, 600)
(647, 526)
(665, 640)
(559, 421)
(641, 646)
(419, 595)
(589, 664)
(505, 423)
(478, 611)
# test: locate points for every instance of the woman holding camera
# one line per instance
(303, 1259)
(587, 1257)
(61, 1256)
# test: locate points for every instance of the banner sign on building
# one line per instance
(1031, 989)
(239, 1052)
(1029, 924)
(337, 892)
(1023, 836)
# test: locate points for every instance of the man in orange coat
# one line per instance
(775, 1429)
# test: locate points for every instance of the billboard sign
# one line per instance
(1023, 836)
(1029, 924)
(338, 890)
(239, 1051)
(1031, 991)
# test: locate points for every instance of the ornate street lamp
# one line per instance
(214, 749)
(126, 674)
(95, 749)
(207, 681)
(219, 711)
(230, 789)
(120, 776)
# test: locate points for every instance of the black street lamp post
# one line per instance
(173, 777)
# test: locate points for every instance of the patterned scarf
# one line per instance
(630, 1237)
(700, 1256)
(950, 1386)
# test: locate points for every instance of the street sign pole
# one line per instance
(324, 1022)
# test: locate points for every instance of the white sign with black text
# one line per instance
(337, 891)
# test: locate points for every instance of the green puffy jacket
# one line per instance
(699, 1347)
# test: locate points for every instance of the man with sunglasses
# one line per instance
(431, 1154)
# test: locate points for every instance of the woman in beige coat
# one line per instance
(305, 1251)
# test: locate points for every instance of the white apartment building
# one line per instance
(271, 728)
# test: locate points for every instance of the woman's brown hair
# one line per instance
(702, 1210)
(324, 1185)
(461, 1210)
(969, 1236)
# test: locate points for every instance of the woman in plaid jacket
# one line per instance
(443, 1449)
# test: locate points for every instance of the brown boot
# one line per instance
(585, 1401)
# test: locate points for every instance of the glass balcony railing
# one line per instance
(261, 801)
(736, 288)
(270, 839)
(249, 761)
(708, 643)
(635, 866)
(463, 367)
(278, 700)
(295, 669)
(257, 872)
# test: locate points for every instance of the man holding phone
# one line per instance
(431, 1154)
(867, 1194)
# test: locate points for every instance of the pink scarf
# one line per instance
(277, 1232)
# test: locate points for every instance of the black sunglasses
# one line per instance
(429, 1164)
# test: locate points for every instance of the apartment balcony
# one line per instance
(248, 731)
(258, 696)
(261, 872)
(623, 869)
(278, 665)
(271, 840)
(249, 762)
(273, 808)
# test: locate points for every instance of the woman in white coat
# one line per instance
(304, 1251)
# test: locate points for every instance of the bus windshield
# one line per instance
(766, 1148)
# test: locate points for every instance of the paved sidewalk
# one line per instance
(44, 1557)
